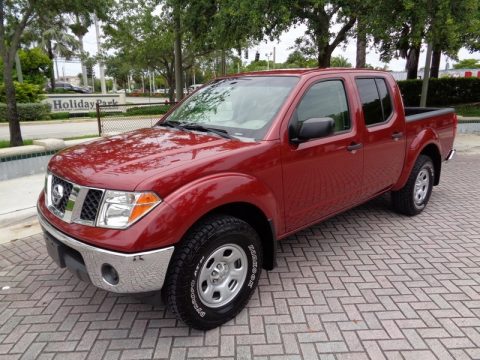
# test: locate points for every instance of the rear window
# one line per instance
(376, 101)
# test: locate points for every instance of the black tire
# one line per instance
(404, 201)
(203, 241)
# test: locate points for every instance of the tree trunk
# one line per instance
(52, 73)
(412, 62)
(178, 54)
(436, 55)
(324, 58)
(12, 113)
(361, 59)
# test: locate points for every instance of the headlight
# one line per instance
(120, 209)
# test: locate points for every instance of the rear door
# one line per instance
(322, 176)
(384, 136)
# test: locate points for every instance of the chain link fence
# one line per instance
(114, 119)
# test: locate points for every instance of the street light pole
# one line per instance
(100, 64)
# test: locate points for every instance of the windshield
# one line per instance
(243, 106)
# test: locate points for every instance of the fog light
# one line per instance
(109, 274)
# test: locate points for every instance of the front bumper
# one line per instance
(134, 273)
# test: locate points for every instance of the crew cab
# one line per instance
(193, 207)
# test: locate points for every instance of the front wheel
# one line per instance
(213, 272)
(414, 196)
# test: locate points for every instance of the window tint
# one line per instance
(372, 108)
(385, 98)
(376, 102)
(325, 99)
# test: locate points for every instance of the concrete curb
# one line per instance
(40, 146)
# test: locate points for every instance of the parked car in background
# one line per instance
(69, 87)
(195, 205)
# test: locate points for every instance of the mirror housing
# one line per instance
(314, 128)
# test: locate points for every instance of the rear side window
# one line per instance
(376, 101)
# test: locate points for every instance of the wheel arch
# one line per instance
(255, 217)
(426, 143)
(433, 152)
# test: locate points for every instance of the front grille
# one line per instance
(61, 204)
(91, 205)
(71, 202)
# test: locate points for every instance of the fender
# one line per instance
(193, 200)
(420, 142)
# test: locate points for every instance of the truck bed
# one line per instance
(442, 121)
(421, 113)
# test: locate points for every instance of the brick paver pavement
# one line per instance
(365, 284)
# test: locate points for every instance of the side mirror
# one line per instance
(314, 128)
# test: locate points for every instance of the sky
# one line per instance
(282, 50)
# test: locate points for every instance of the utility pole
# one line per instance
(274, 55)
(100, 63)
(426, 75)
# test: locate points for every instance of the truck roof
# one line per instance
(303, 71)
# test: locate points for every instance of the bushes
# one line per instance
(27, 111)
(24, 93)
(148, 110)
(59, 115)
(441, 92)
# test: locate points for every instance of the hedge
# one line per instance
(441, 92)
(27, 111)
(148, 110)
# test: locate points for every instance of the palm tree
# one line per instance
(51, 34)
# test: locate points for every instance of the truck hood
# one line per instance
(121, 162)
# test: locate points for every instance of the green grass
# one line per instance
(468, 109)
(6, 143)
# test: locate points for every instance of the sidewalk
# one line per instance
(18, 217)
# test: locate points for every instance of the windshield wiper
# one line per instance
(198, 127)
(172, 124)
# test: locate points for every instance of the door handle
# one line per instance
(354, 147)
(397, 135)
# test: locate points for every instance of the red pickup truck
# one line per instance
(195, 205)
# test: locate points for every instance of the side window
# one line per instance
(325, 99)
(376, 102)
(384, 98)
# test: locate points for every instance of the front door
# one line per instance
(324, 175)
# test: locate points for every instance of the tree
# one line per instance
(319, 16)
(151, 46)
(82, 14)
(36, 66)
(340, 61)
(298, 60)
(467, 64)
(15, 16)
(447, 24)
(50, 32)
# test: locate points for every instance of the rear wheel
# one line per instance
(414, 196)
(213, 272)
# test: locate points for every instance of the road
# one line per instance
(55, 130)
(61, 130)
